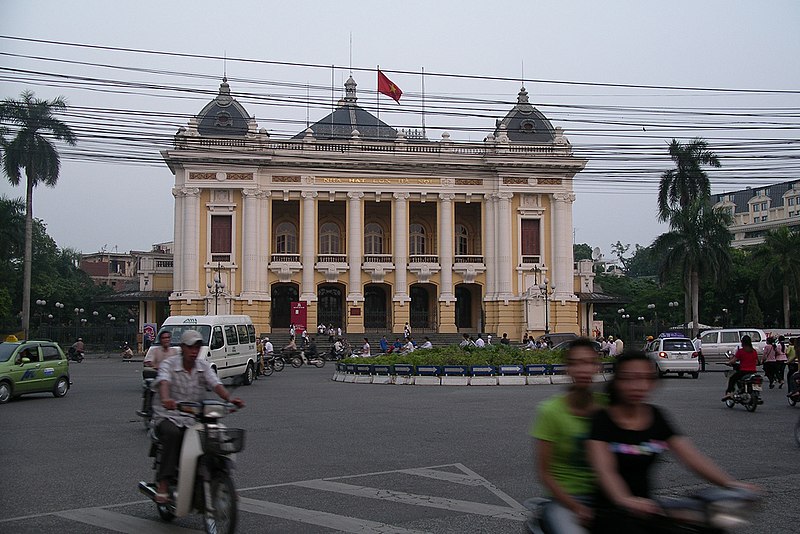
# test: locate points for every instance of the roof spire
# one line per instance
(350, 91)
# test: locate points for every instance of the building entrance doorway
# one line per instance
(330, 305)
(376, 306)
(468, 307)
(280, 307)
(423, 308)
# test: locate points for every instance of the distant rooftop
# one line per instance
(741, 197)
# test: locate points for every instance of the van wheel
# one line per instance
(249, 375)
(680, 374)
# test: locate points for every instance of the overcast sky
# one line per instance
(114, 192)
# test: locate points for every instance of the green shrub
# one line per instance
(455, 355)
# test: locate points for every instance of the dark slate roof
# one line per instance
(525, 124)
(348, 116)
(775, 193)
(135, 296)
(223, 116)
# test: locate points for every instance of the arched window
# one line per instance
(373, 239)
(417, 242)
(286, 238)
(462, 240)
(329, 239)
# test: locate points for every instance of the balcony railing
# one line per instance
(378, 258)
(423, 258)
(332, 258)
(285, 258)
(531, 259)
(468, 259)
(220, 258)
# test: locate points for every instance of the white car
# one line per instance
(674, 355)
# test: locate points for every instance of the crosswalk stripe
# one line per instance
(117, 522)
(319, 518)
(447, 476)
(491, 510)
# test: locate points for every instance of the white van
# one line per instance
(717, 342)
(229, 342)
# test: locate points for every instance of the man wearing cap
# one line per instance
(183, 377)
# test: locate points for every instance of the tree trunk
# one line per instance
(786, 306)
(687, 302)
(695, 303)
(28, 259)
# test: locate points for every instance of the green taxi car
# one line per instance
(32, 367)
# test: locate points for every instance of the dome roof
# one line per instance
(526, 124)
(223, 116)
(349, 117)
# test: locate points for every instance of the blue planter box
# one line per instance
(482, 370)
(558, 369)
(363, 369)
(537, 369)
(382, 369)
(455, 370)
(608, 367)
(403, 369)
(350, 367)
(510, 370)
(428, 370)
(341, 367)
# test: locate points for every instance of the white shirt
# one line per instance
(427, 345)
(183, 386)
(268, 348)
(365, 350)
(698, 344)
(408, 347)
(620, 346)
(612, 349)
(480, 343)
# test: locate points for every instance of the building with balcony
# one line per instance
(373, 229)
(756, 211)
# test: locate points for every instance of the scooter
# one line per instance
(299, 358)
(204, 482)
(146, 413)
(709, 511)
(794, 389)
(275, 362)
(748, 390)
(74, 355)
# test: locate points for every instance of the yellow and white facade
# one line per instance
(372, 229)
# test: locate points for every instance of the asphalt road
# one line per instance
(324, 456)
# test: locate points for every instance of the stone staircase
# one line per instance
(281, 339)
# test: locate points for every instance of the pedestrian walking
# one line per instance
(780, 360)
(698, 347)
(406, 330)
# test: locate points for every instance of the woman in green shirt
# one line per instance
(561, 429)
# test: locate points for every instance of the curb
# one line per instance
(424, 380)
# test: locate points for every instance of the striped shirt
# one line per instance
(183, 386)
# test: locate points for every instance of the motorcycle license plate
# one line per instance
(756, 387)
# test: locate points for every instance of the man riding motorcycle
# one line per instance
(182, 377)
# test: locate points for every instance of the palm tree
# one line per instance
(687, 181)
(31, 149)
(12, 224)
(781, 248)
(697, 245)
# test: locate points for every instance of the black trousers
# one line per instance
(734, 378)
(171, 437)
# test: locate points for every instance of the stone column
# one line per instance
(308, 292)
(447, 312)
(400, 240)
(504, 266)
(191, 242)
(355, 240)
(263, 243)
(562, 266)
(489, 241)
(249, 243)
(177, 246)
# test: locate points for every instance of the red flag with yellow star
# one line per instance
(388, 88)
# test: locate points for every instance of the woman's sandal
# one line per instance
(162, 498)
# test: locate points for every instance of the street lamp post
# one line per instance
(41, 304)
(546, 288)
(218, 287)
(672, 304)
(724, 317)
(652, 307)
(741, 307)
(78, 312)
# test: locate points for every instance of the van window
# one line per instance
(243, 335)
(710, 337)
(251, 331)
(216, 338)
(754, 336)
(730, 337)
(230, 335)
(177, 330)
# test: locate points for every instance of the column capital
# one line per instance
(309, 194)
(250, 192)
(564, 197)
(504, 195)
(401, 196)
(263, 193)
(446, 197)
(355, 195)
(177, 192)
(190, 191)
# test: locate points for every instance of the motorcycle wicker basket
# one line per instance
(222, 440)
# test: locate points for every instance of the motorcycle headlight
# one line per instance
(214, 411)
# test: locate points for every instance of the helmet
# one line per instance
(650, 338)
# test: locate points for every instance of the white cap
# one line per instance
(191, 337)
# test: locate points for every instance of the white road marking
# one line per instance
(494, 489)
(129, 524)
(447, 476)
(324, 519)
(455, 505)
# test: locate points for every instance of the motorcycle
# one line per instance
(74, 355)
(747, 392)
(794, 389)
(709, 511)
(146, 413)
(204, 482)
(298, 358)
(276, 363)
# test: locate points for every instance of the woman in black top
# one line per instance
(625, 441)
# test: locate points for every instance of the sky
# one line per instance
(622, 78)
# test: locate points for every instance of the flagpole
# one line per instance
(378, 102)
(333, 108)
(423, 104)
